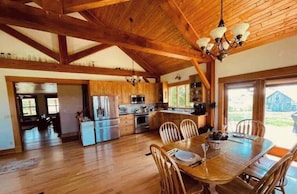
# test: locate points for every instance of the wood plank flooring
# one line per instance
(114, 167)
(118, 166)
(35, 138)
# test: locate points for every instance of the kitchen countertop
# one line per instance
(175, 112)
(179, 112)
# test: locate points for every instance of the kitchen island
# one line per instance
(178, 116)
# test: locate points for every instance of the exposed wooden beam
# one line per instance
(53, 6)
(63, 49)
(80, 5)
(87, 52)
(201, 74)
(12, 32)
(54, 67)
(181, 22)
(30, 17)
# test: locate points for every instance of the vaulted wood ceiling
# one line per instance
(161, 38)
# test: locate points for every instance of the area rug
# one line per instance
(13, 166)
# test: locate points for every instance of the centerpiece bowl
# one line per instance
(216, 140)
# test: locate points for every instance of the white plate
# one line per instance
(185, 156)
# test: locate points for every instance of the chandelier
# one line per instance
(220, 47)
(134, 79)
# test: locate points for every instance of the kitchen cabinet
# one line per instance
(127, 124)
(197, 89)
(154, 120)
(177, 117)
(124, 90)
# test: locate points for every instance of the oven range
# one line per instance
(141, 122)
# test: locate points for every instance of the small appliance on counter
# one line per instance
(199, 109)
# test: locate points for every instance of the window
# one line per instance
(52, 103)
(240, 103)
(179, 96)
(29, 107)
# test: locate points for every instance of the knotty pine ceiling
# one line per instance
(163, 33)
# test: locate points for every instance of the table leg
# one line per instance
(212, 189)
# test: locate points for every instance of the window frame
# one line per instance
(188, 104)
(36, 105)
(46, 103)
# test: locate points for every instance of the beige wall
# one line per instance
(71, 102)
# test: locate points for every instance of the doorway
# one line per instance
(38, 112)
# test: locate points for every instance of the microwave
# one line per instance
(137, 99)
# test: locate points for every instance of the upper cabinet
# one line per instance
(197, 89)
(124, 90)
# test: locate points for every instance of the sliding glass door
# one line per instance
(274, 102)
(281, 114)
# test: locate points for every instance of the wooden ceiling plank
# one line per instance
(139, 60)
(14, 33)
(87, 52)
(181, 22)
(81, 5)
(30, 17)
(34, 65)
(63, 49)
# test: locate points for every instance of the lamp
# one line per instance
(222, 44)
(178, 77)
(134, 79)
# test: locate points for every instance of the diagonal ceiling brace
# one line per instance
(12, 32)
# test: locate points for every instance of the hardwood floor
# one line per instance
(118, 166)
(114, 167)
(34, 138)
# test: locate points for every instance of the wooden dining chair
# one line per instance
(188, 128)
(172, 181)
(251, 127)
(169, 133)
(266, 185)
(258, 170)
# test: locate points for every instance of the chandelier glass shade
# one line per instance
(221, 44)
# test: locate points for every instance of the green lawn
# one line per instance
(281, 119)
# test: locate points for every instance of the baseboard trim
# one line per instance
(67, 137)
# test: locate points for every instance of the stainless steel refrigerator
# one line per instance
(106, 117)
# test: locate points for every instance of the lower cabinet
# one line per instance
(175, 117)
(154, 120)
(127, 124)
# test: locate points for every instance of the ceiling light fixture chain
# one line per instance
(219, 49)
(134, 79)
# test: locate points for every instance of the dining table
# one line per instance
(224, 164)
